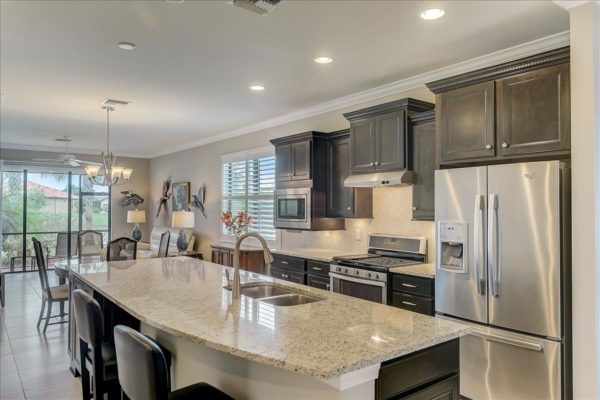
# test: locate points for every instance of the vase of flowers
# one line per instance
(236, 224)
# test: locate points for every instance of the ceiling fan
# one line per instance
(66, 158)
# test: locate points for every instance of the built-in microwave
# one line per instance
(293, 208)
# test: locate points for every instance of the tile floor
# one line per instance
(33, 365)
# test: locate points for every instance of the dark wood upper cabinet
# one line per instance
(422, 128)
(362, 149)
(467, 122)
(390, 141)
(534, 111)
(283, 162)
(378, 140)
(301, 160)
(519, 110)
(344, 202)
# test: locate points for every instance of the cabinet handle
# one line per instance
(349, 208)
(284, 262)
(409, 285)
(489, 146)
(371, 163)
(504, 145)
(408, 303)
(377, 163)
(317, 268)
(415, 208)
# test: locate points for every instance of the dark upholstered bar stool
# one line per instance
(93, 349)
(121, 249)
(144, 372)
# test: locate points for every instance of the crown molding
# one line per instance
(569, 4)
(547, 43)
(59, 149)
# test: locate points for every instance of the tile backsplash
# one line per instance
(392, 213)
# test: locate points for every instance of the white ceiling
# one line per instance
(188, 78)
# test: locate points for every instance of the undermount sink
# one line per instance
(262, 291)
(274, 295)
(291, 299)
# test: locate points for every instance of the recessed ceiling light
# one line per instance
(126, 46)
(433, 13)
(323, 60)
(257, 88)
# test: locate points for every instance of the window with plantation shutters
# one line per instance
(248, 182)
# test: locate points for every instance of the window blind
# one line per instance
(248, 182)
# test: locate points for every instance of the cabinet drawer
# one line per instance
(416, 370)
(296, 277)
(413, 284)
(448, 389)
(291, 263)
(316, 281)
(279, 273)
(416, 304)
(317, 268)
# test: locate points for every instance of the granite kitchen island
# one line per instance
(334, 348)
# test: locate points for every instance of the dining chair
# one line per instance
(94, 349)
(144, 371)
(120, 249)
(62, 245)
(50, 294)
(163, 247)
(89, 246)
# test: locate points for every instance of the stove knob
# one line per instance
(357, 272)
(368, 275)
(346, 270)
(375, 276)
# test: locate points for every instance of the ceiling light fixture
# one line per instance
(126, 46)
(323, 60)
(257, 88)
(108, 174)
(433, 13)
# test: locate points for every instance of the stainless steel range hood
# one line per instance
(396, 178)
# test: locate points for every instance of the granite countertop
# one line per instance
(325, 339)
(314, 253)
(423, 270)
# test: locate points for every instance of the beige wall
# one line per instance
(202, 164)
(585, 148)
(138, 183)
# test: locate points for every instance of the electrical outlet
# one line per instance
(357, 234)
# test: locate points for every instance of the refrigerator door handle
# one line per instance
(493, 245)
(478, 243)
(509, 341)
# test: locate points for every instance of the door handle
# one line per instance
(493, 265)
(510, 341)
(478, 243)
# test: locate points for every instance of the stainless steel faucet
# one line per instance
(236, 284)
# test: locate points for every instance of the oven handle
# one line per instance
(356, 280)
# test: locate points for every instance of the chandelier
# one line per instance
(108, 174)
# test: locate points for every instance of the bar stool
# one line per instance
(144, 372)
(93, 348)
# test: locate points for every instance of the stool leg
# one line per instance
(98, 373)
(62, 309)
(85, 374)
(41, 313)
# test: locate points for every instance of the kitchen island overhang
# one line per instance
(339, 342)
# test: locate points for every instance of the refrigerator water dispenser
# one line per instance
(452, 247)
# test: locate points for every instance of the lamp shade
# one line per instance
(182, 219)
(136, 216)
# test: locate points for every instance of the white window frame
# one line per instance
(245, 155)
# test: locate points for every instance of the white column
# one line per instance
(585, 152)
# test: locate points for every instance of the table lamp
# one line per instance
(182, 219)
(136, 217)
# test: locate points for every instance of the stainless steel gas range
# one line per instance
(366, 276)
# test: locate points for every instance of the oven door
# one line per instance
(365, 289)
(293, 208)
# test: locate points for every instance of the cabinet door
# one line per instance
(283, 162)
(534, 111)
(279, 273)
(316, 281)
(214, 256)
(340, 199)
(448, 389)
(424, 171)
(390, 142)
(362, 145)
(296, 277)
(226, 257)
(301, 160)
(467, 122)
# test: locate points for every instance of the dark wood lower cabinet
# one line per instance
(319, 282)
(250, 260)
(447, 389)
(413, 293)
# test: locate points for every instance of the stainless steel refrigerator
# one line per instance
(503, 265)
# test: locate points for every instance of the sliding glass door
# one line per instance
(52, 207)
